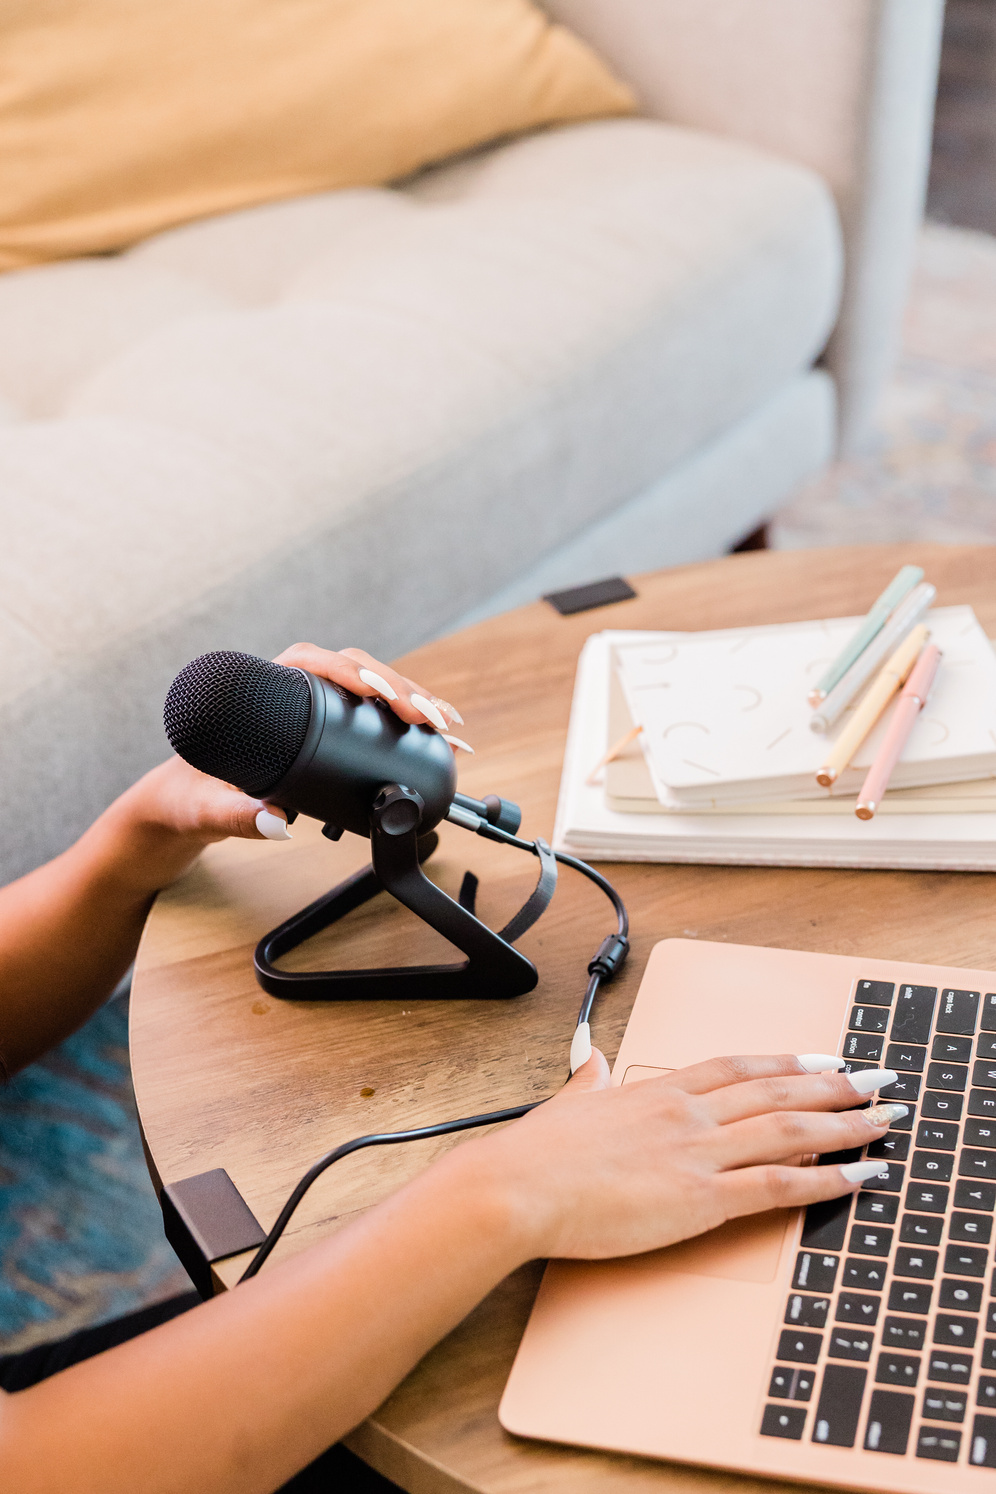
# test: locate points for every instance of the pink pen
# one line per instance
(908, 708)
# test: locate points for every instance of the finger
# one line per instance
(715, 1073)
(592, 1074)
(802, 1092)
(786, 1134)
(754, 1190)
(360, 672)
(432, 708)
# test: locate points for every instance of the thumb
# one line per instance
(589, 1069)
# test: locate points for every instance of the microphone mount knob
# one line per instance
(397, 810)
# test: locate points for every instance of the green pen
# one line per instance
(898, 587)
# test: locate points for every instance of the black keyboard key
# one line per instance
(875, 992)
(889, 1417)
(927, 1198)
(893, 1146)
(839, 1406)
(850, 1343)
(982, 1102)
(807, 1312)
(876, 1208)
(980, 1133)
(982, 1448)
(985, 1394)
(984, 1073)
(838, 1159)
(969, 1195)
(815, 1272)
(783, 1421)
(791, 1384)
(936, 1105)
(889, 1180)
(962, 1296)
(985, 1046)
(939, 1136)
(957, 1333)
(988, 1023)
(987, 1359)
(857, 1307)
(935, 1167)
(867, 1276)
(974, 1229)
(920, 1264)
(909, 1296)
(799, 1348)
(948, 1076)
(921, 1229)
(905, 1057)
(959, 1011)
(869, 1019)
(962, 1260)
(913, 1014)
(898, 1370)
(950, 1369)
(944, 1405)
(954, 1049)
(866, 1239)
(990, 1310)
(863, 1045)
(942, 1446)
(825, 1226)
(905, 1089)
(904, 1333)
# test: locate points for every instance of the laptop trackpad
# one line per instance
(746, 1249)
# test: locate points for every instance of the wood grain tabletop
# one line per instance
(226, 1076)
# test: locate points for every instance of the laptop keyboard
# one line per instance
(889, 1335)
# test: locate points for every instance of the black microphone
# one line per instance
(303, 743)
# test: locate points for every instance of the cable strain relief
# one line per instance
(609, 957)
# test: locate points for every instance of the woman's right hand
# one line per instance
(599, 1172)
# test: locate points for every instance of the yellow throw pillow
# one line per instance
(119, 118)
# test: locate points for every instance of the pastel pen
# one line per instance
(902, 622)
(899, 587)
(908, 707)
(889, 679)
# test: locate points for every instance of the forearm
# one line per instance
(236, 1396)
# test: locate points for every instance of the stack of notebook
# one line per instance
(724, 768)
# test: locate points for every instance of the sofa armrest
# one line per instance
(845, 87)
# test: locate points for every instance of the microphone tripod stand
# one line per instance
(492, 970)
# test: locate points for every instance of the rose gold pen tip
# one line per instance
(816, 697)
(826, 776)
(866, 811)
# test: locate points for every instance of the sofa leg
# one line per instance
(757, 540)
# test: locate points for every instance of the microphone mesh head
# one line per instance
(239, 718)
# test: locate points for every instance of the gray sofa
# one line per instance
(366, 416)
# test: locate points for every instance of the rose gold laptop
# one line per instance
(853, 1344)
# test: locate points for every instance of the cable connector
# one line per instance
(609, 957)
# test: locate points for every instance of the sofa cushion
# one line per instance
(121, 117)
(372, 410)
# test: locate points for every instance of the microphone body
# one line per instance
(303, 743)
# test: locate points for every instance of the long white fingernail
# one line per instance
(272, 826)
(580, 1046)
(866, 1080)
(378, 683)
(819, 1063)
(429, 711)
(860, 1172)
(456, 742)
(885, 1114)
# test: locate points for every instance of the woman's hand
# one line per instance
(599, 1172)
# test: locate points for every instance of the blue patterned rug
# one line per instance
(81, 1236)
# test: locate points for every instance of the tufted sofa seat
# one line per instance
(354, 415)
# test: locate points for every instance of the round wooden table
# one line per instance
(226, 1076)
